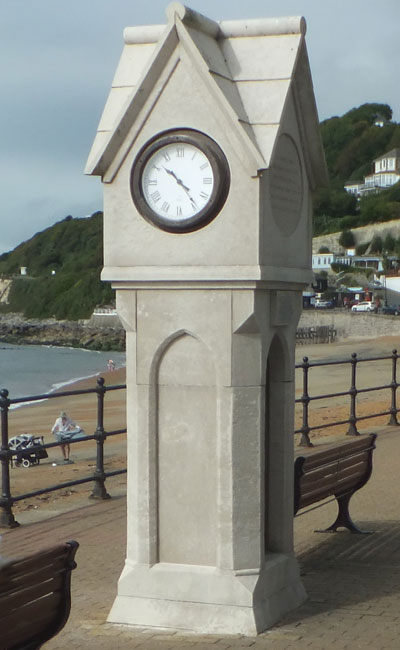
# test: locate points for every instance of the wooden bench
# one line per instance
(337, 471)
(35, 596)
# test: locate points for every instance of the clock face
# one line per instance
(180, 181)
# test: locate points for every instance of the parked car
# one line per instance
(365, 305)
(394, 310)
(323, 304)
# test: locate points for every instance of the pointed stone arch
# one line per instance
(183, 379)
(278, 469)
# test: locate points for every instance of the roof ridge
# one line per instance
(274, 26)
(395, 151)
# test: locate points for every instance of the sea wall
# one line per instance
(79, 334)
(82, 334)
(362, 235)
(352, 324)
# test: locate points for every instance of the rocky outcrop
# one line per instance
(78, 334)
(5, 285)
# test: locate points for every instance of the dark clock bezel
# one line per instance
(218, 195)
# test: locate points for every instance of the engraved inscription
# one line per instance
(286, 185)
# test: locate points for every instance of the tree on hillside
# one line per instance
(389, 243)
(351, 144)
(361, 248)
(352, 140)
(376, 244)
(73, 248)
(346, 239)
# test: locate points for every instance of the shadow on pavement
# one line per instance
(348, 571)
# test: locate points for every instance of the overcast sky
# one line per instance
(58, 60)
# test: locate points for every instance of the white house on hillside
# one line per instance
(322, 261)
(386, 173)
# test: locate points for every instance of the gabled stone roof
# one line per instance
(250, 66)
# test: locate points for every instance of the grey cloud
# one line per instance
(58, 61)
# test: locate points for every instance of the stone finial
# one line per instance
(192, 18)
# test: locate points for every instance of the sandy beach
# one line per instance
(39, 418)
(337, 378)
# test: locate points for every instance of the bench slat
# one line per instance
(321, 458)
(313, 490)
(320, 470)
(27, 624)
(38, 559)
(14, 582)
(337, 471)
(320, 491)
(24, 565)
(318, 479)
(35, 596)
(23, 597)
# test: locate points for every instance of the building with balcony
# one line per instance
(386, 173)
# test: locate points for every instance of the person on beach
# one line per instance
(110, 365)
(62, 425)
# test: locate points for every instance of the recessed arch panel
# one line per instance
(187, 453)
(278, 461)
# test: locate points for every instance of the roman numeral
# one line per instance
(165, 206)
(207, 181)
(204, 165)
(152, 182)
(166, 156)
(178, 211)
(204, 195)
(180, 152)
(156, 196)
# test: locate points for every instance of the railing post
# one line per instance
(99, 490)
(352, 431)
(305, 400)
(393, 408)
(7, 518)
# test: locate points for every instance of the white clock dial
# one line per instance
(177, 181)
(180, 180)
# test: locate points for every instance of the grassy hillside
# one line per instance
(63, 271)
(351, 143)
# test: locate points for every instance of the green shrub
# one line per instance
(346, 239)
(361, 248)
(376, 244)
(389, 243)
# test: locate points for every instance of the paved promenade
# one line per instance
(353, 581)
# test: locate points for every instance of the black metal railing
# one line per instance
(354, 391)
(99, 476)
(100, 435)
(315, 334)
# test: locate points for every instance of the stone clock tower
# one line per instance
(209, 150)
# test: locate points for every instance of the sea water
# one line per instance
(37, 369)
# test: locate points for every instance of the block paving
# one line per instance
(352, 581)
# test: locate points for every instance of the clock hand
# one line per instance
(183, 186)
(178, 180)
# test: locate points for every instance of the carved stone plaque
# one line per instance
(286, 185)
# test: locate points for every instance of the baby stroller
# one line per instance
(29, 450)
